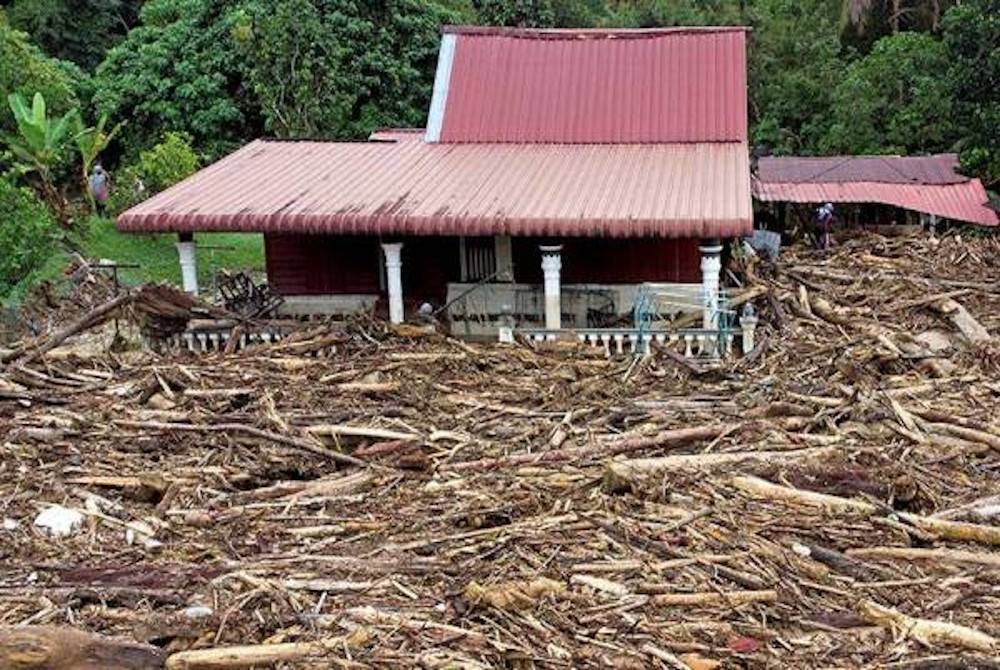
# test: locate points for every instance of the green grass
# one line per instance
(156, 254)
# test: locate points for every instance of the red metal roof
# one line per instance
(961, 202)
(632, 190)
(936, 169)
(623, 86)
(396, 135)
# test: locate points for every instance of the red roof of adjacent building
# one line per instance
(936, 169)
(929, 184)
(588, 86)
(415, 187)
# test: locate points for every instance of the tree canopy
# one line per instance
(856, 76)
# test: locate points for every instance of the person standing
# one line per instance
(100, 187)
(824, 220)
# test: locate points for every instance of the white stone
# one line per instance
(142, 533)
(394, 280)
(59, 521)
(197, 612)
(935, 340)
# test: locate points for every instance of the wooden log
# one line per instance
(249, 656)
(250, 431)
(711, 598)
(965, 322)
(674, 437)
(950, 530)
(921, 554)
(56, 648)
(619, 475)
(928, 631)
(98, 315)
(337, 431)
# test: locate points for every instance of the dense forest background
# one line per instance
(159, 87)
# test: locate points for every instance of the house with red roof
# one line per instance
(559, 173)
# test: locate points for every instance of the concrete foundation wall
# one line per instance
(327, 305)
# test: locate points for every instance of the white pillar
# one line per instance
(505, 333)
(748, 324)
(711, 267)
(551, 267)
(502, 252)
(189, 264)
(394, 280)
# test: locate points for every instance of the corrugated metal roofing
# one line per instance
(936, 169)
(583, 86)
(962, 202)
(396, 135)
(667, 190)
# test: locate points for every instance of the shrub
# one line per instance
(159, 168)
(26, 234)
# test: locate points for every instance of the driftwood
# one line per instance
(249, 656)
(54, 648)
(618, 474)
(929, 632)
(920, 554)
(965, 322)
(96, 316)
(242, 429)
(950, 530)
(667, 438)
(712, 598)
(215, 519)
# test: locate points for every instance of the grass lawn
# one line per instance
(156, 254)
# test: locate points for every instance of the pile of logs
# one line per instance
(378, 497)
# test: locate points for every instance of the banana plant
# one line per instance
(39, 144)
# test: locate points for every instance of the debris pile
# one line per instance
(356, 498)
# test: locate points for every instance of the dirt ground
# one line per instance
(357, 498)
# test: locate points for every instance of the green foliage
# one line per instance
(25, 69)
(794, 65)
(157, 169)
(182, 70)
(339, 68)
(972, 37)
(168, 162)
(657, 13)
(26, 236)
(894, 100)
(522, 13)
(80, 31)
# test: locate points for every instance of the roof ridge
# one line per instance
(580, 33)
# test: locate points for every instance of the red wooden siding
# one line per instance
(330, 265)
(320, 264)
(612, 261)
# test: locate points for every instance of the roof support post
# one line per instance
(188, 261)
(551, 268)
(711, 268)
(394, 279)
